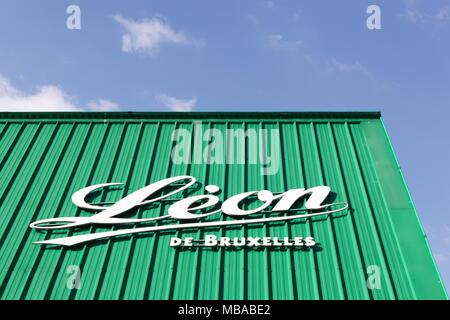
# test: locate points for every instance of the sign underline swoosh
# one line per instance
(74, 240)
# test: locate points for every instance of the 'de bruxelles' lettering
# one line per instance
(211, 240)
(186, 210)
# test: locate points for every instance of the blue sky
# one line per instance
(248, 55)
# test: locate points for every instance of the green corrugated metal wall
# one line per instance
(45, 158)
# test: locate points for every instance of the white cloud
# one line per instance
(46, 98)
(344, 67)
(439, 237)
(277, 41)
(269, 4)
(414, 15)
(441, 258)
(443, 14)
(103, 105)
(148, 34)
(176, 104)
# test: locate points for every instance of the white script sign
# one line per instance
(185, 210)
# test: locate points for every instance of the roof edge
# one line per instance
(188, 115)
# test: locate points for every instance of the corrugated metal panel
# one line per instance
(45, 158)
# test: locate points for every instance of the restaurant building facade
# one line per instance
(274, 205)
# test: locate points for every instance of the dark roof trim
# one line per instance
(191, 115)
